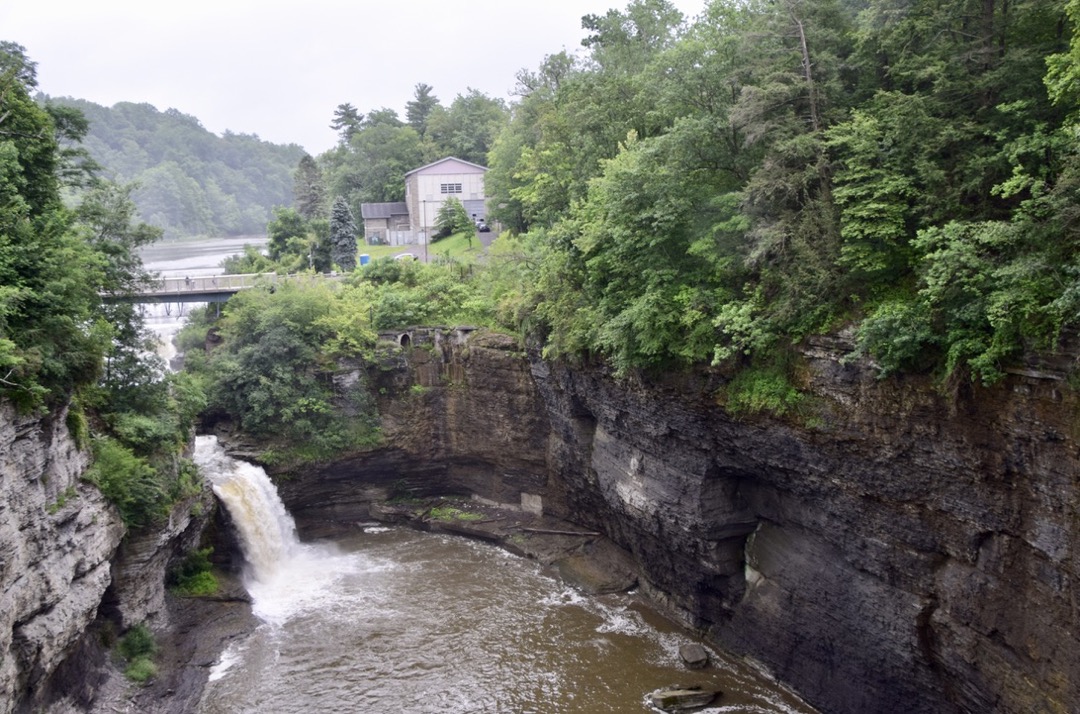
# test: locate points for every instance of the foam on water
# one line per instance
(232, 654)
(284, 577)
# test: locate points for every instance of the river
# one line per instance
(397, 621)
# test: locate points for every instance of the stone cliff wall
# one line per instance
(911, 553)
(57, 536)
(896, 550)
(460, 414)
(67, 567)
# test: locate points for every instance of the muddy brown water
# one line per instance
(396, 620)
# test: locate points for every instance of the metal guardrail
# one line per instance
(214, 288)
(209, 284)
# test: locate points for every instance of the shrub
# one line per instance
(129, 482)
(756, 390)
(450, 513)
(192, 578)
(141, 670)
(197, 585)
(137, 643)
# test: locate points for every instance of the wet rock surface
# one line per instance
(682, 699)
(871, 553)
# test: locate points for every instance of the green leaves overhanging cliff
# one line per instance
(721, 188)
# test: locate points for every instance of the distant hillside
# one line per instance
(191, 181)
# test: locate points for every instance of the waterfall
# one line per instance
(267, 531)
(283, 576)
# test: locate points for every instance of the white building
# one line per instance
(427, 187)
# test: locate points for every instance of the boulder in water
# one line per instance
(681, 699)
(694, 655)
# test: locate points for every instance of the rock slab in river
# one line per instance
(694, 655)
(681, 699)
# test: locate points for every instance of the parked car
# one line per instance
(482, 227)
(405, 256)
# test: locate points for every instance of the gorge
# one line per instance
(907, 551)
(895, 550)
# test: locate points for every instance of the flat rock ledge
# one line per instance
(585, 559)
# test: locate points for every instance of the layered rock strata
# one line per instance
(890, 549)
(893, 549)
(57, 536)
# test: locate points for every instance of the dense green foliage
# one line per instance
(277, 352)
(138, 649)
(189, 181)
(194, 576)
(719, 189)
(274, 372)
(60, 343)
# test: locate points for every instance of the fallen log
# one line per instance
(548, 531)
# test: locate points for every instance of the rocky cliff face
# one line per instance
(460, 415)
(66, 568)
(57, 536)
(905, 551)
(909, 553)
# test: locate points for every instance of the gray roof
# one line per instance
(383, 210)
(448, 158)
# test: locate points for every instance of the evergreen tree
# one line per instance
(419, 109)
(452, 218)
(342, 236)
(347, 121)
(309, 190)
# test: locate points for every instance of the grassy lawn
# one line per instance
(456, 246)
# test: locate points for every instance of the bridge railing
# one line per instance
(210, 283)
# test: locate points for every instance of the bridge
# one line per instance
(210, 288)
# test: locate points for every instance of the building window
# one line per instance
(449, 188)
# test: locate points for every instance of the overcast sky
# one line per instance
(279, 69)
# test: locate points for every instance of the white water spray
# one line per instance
(267, 531)
(284, 577)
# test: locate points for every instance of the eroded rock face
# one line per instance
(899, 550)
(57, 535)
(910, 553)
(460, 415)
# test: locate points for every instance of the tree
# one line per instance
(75, 167)
(52, 336)
(13, 61)
(342, 236)
(452, 218)
(371, 168)
(468, 128)
(133, 372)
(309, 190)
(420, 107)
(347, 121)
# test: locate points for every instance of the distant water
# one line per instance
(396, 621)
(194, 258)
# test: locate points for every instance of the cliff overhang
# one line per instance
(901, 546)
